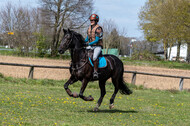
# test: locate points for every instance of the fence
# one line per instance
(31, 72)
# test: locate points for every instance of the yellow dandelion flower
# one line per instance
(132, 108)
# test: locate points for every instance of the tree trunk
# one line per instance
(55, 34)
(165, 50)
(53, 46)
(170, 52)
(178, 51)
(55, 43)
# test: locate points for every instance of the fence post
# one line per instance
(181, 84)
(31, 72)
(133, 78)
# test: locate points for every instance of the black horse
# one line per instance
(82, 70)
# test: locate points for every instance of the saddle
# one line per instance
(102, 63)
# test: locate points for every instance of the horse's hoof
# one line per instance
(90, 98)
(111, 106)
(95, 109)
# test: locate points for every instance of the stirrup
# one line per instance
(95, 75)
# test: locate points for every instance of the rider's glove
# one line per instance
(85, 44)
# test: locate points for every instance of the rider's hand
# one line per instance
(85, 44)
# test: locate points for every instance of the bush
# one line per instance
(145, 55)
(1, 75)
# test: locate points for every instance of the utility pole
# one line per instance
(131, 46)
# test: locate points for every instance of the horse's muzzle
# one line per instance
(61, 51)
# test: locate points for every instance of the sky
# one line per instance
(124, 13)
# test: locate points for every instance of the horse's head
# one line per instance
(66, 42)
(70, 40)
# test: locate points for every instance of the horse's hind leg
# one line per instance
(116, 83)
(103, 92)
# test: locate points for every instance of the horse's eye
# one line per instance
(68, 37)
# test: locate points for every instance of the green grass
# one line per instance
(45, 102)
(164, 64)
(6, 52)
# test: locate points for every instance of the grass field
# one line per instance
(44, 102)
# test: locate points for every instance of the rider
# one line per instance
(94, 40)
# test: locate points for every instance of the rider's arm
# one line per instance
(86, 40)
(99, 35)
(95, 41)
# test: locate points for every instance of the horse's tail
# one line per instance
(123, 87)
(118, 75)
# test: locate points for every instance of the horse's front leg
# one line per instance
(71, 80)
(83, 87)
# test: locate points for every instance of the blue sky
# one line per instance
(22, 2)
(123, 12)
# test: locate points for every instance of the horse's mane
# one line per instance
(78, 35)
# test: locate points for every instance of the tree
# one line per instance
(115, 39)
(18, 26)
(61, 14)
(41, 44)
(124, 45)
(154, 30)
(165, 21)
(7, 20)
(111, 35)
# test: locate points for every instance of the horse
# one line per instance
(82, 70)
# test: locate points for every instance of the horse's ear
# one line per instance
(64, 31)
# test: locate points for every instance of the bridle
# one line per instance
(67, 43)
(75, 66)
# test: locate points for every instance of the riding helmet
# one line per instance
(94, 17)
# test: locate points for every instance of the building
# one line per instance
(183, 53)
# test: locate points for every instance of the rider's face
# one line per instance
(92, 22)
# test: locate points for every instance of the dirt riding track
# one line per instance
(59, 74)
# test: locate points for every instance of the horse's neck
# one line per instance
(78, 52)
(77, 55)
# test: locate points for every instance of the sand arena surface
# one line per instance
(60, 74)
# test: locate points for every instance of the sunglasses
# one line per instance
(92, 20)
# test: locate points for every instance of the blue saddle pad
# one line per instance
(102, 62)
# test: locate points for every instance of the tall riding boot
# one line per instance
(95, 74)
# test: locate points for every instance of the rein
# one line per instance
(75, 66)
(78, 68)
